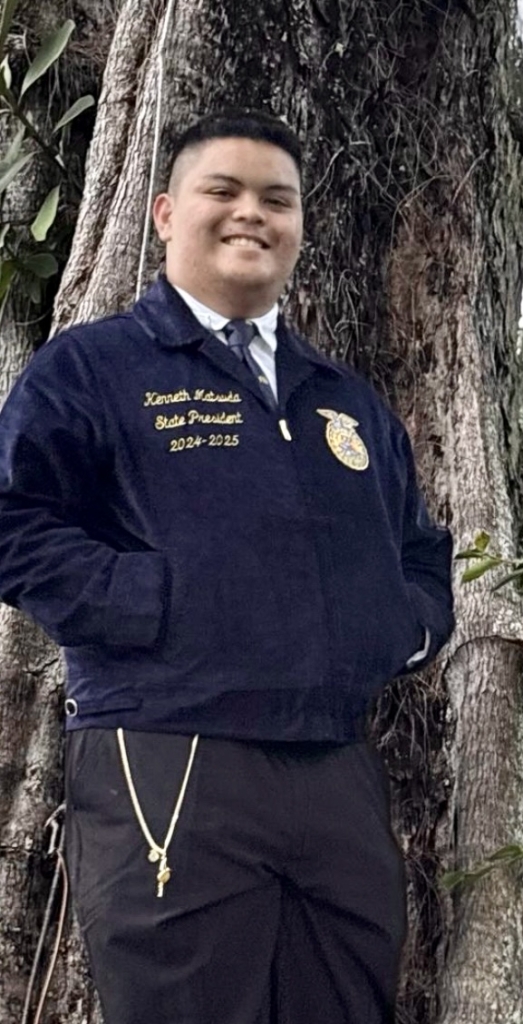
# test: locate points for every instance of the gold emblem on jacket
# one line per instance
(343, 440)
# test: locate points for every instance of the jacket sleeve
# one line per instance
(54, 455)
(427, 565)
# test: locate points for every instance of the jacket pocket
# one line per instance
(251, 605)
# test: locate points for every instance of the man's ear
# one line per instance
(162, 210)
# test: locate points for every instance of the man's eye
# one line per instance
(221, 192)
(276, 201)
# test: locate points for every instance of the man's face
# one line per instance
(232, 224)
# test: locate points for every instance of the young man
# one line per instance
(223, 530)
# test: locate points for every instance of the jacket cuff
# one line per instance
(436, 617)
(420, 655)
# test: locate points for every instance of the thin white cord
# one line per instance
(156, 145)
(160, 850)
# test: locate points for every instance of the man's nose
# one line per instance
(249, 207)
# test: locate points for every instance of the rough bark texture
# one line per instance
(453, 289)
(411, 270)
(31, 695)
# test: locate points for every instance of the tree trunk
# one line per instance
(31, 699)
(411, 270)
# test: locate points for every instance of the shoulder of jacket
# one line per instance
(81, 344)
(101, 332)
(72, 356)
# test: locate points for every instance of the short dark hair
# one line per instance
(243, 124)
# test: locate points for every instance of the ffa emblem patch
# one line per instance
(343, 440)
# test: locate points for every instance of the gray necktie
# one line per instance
(239, 334)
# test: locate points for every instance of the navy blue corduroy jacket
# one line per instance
(206, 566)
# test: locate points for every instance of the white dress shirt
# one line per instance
(262, 347)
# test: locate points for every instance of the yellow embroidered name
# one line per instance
(193, 416)
(155, 398)
(200, 395)
(182, 395)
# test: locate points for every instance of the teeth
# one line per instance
(246, 242)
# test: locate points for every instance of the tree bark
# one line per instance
(31, 698)
(410, 270)
(454, 290)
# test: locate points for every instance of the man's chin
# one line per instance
(244, 295)
(247, 278)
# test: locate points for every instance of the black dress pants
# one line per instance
(286, 903)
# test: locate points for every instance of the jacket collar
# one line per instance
(166, 318)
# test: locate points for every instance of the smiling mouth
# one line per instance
(245, 242)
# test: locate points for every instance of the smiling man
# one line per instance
(223, 530)
(232, 224)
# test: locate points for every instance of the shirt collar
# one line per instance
(213, 321)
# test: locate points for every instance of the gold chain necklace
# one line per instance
(157, 854)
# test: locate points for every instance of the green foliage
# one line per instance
(5, 73)
(5, 20)
(77, 108)
(51, 49)
(42, 265)
(481, 566)
(484, 561)
(504, 857)
(22, 260)
(13, 151)
(13, 169)
(46, 215)
(7, 272)
(478, 548)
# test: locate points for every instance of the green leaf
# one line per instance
(5, 72)
(13, 151)
(32, 287)
(49, 52)
(6, 19)
(475, 873)
(452, 878)
(7, 272)
(469, 553)
(480, 568)
(46, 215)
(505, 855)
(41, 264)
(478, 547)
(11, 172)
(511, 852)
(482, 541)
(516, 575)
(77, 108)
